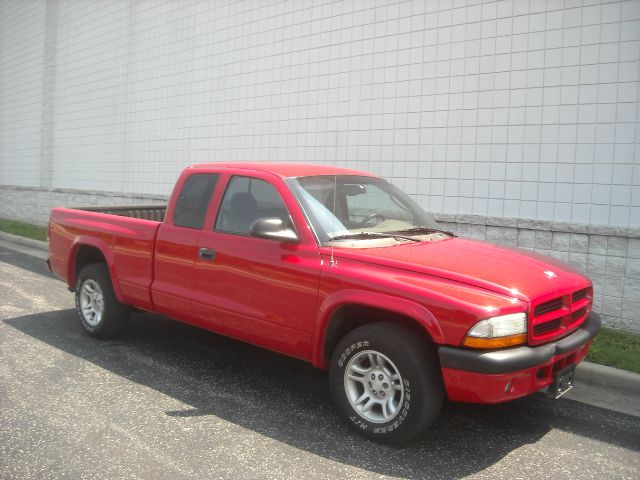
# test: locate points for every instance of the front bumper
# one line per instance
(494, 376)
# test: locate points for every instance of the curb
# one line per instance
(28, 242)
(609, 378)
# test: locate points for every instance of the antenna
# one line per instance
(333, 262)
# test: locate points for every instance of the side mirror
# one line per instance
(273, 228)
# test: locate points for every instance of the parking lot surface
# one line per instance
(169, 401)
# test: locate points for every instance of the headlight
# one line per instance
(497, 332)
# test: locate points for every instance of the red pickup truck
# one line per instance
(341, 269)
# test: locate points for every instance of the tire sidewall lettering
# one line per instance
(350, 349)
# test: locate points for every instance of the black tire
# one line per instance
(113, 316)
(417, 403)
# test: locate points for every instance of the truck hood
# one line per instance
(509, 271)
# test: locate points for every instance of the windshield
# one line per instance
(355, 206)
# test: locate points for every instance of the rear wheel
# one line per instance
(101, 314)
(386, 382)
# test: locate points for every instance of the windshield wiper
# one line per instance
(372, 235)
(423, 230)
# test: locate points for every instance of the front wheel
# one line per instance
(100, 312)
(386, 382)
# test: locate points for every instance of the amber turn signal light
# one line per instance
(499, 342)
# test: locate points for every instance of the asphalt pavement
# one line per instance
(170, 401)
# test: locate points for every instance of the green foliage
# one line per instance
(616, 348)
(23, 229)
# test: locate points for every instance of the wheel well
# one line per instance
(86, 255)
(350, 317)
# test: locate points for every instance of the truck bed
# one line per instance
(143, 212)
(123, 235)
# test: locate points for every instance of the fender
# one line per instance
(107, 253)
(401, 306)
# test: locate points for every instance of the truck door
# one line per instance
(261, 291)
(176, 247)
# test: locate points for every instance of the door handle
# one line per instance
(207, 253)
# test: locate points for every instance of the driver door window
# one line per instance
(245, 200)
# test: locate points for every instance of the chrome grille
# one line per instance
(547, 307)
(579, 295)
(544, 327)
(554, 318)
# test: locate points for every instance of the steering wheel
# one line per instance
(367, 219)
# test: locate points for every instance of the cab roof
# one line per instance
(284, 169)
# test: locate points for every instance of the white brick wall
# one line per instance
(22, 30)
(509, 109)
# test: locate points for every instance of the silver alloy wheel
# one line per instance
(91, 302)
(373, 386)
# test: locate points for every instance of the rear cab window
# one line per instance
(194, 199)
